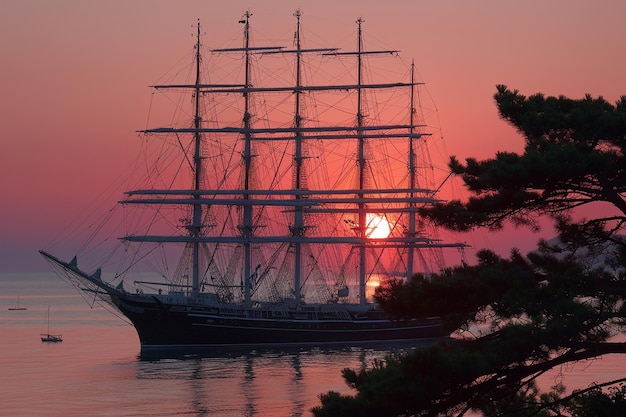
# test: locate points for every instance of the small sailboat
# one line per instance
(17, 306)
(48, 337)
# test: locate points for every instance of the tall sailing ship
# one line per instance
(277, 204)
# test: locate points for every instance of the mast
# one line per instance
(298, 228)
(246, 229)
(412, 173)
(245, 195)
(362, 136)
(362, 222)
(298, 225)
(196, 226)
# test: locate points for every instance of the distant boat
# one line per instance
(17, 306)
(48, 337)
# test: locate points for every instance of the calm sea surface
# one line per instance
(98, 371)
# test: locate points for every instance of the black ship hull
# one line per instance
(168, 326)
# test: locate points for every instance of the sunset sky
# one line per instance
(74, 77)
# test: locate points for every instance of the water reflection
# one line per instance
(257, 382)
(248, 386)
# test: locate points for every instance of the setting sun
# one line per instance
(377, 226)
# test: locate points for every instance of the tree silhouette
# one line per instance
(517, 318)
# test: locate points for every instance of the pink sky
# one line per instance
(74, 77)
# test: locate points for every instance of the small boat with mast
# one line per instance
(17, 307)
(277, 227)
(47, 336)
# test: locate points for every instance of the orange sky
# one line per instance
(74, 77)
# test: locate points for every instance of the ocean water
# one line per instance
(98, 370)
